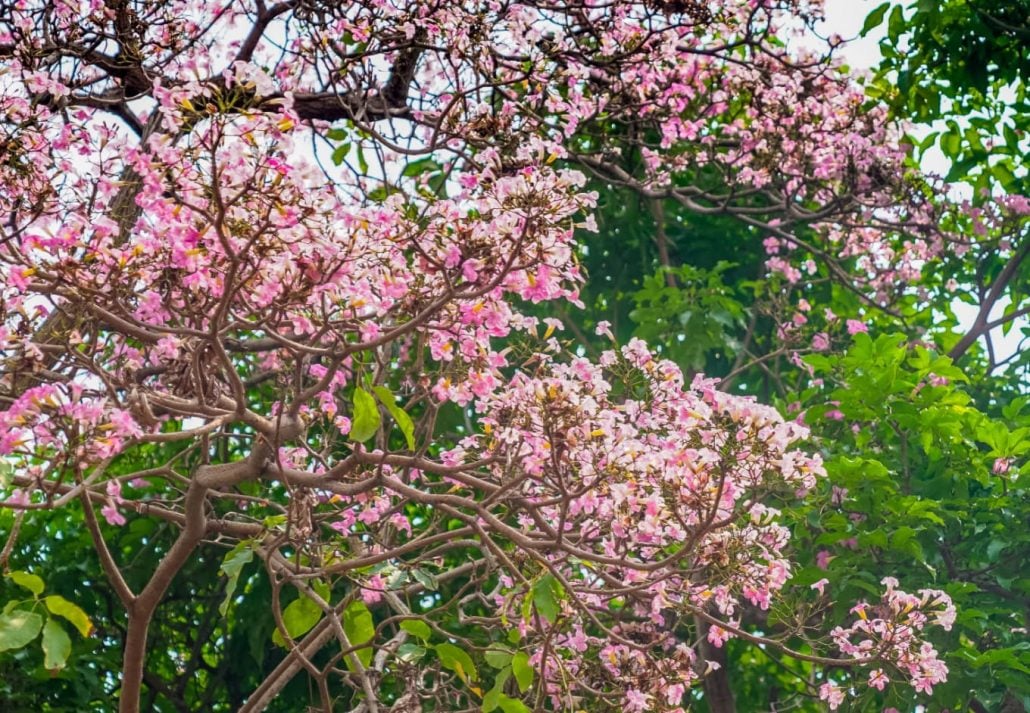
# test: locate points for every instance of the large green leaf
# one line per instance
(403, 420)
(59, 606)
(17, 628)
(417, 627)
(492, 699)
(457, 660)
(409, 653)
(366, 419)
(498, 657)
(298, 617)
(360, 629)
(546, 594)
(874, 18)
(27, 581)
(512, 705)
(523, 671)
(236, 559)
(56, 645)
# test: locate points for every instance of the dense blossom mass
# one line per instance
(300, 246)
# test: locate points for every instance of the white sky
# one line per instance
(846, 17)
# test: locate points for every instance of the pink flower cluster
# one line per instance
(53, 423)
(890, 633)
(646, 487)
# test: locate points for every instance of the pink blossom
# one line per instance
(832, 694)
(878, 679)
(637, 701)
(401, 522)
(838, 495)
(111, 514)
(717, 636)
(343, 424)
(372, 591)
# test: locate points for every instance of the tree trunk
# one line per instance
(716, 683)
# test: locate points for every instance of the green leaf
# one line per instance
(28, 581)
(418, 628)
(818, 362)
(513, 705)
(56, 645)
(1001, 657)
(896, 24)
(366, 416)
(340, 154)
(18, 628)
(236, 559)
(546, 593)
(903, 540)
(497, 657)
(526, 609)
(381, 193)
(495, 695)
(951, 144)
(360, 629)
(874, 18)
(59, 606)
(960, 169)
(403, 420)
(425, 579)
(457, 660)
(298, 617)
(523, 671)
(876, 538)
(1003, 173)
(492, 700)
(995, 548)
(417, 168)
(409, 653)
(362, 161)
(322, 589)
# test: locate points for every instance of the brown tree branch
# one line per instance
(983, 324)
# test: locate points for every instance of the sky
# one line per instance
(845, 17)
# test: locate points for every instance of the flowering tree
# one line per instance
(275, 276)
